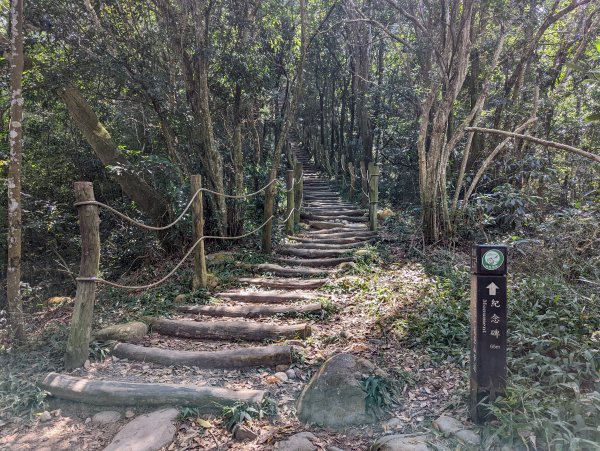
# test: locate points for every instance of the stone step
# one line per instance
(265, 356)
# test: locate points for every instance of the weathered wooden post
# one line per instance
(267, 231)
(289, 226)
(488, 326)
(78, 343)
(200, 275)
(352, 180)
(364, 180)
(298, 191)
(373, 194)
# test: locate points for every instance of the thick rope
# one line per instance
(187, 207)
(165, 278)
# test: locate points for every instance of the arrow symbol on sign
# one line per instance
(492, 287)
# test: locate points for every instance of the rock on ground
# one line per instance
(401, 442)
(334, 396)
(130, 332)
(452, 426)
(106, 417)
(148, 432)
(302, 441)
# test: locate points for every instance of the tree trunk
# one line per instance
(146, 198)
(237, 218)
(13, 268)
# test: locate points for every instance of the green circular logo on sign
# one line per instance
(492, 259)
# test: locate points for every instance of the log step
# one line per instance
(325, 225)
(350, 240)
(309, 245)
(249, 311)
(268, 356)
(341, 228)
(315, 262)
(346, 234)
(328, 218)
(284, 283)
(229, 330)
(267, 296)
(115, 393)
(312, 253)
(292, 272)
(333, 212)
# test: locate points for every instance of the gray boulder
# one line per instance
(401, 442)
(129, 332)
(302, 441)
(106, 417)
(334, 397)
(147, 432)
(452, 426)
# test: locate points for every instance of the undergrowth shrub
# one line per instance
(552, 399)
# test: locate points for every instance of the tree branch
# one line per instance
(543, 142)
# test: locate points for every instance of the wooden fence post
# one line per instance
(364, 180)
(298, 191)
(200, 276)
(267, 231)
(373, 195)
(352, 180)
(289, 228)
(78, 343)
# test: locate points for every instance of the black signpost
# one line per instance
(488, 326)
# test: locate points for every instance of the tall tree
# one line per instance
(13, 278)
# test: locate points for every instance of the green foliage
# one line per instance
(99, 350)
(240, 412)
(553, 360)
(21, 369)
(380, 392)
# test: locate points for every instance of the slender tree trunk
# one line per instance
(289, 113)
(13, 276)
(237, 218)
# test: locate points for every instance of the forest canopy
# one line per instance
(137, 95)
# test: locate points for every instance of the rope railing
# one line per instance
(178, 265)
(185, 210)
(89, 220)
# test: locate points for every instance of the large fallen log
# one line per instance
(292, 272)
(267, 296)
(249, 311)
(228, 330)
(267, 356)
(315, 262)
(285, 283)
(114, 393)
